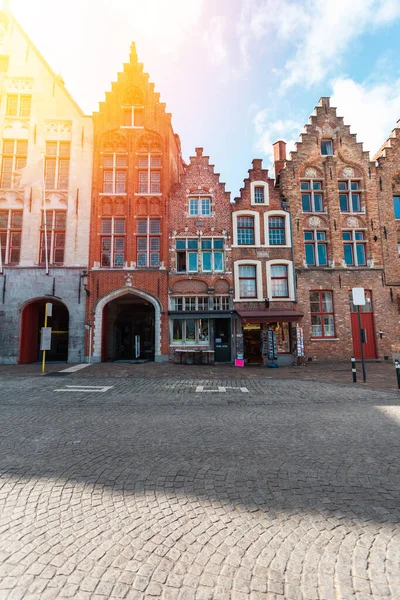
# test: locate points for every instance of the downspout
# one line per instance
(292, 248)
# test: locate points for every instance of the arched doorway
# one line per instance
(128, 329)
(32, 320)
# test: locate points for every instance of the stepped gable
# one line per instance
(389, 145)
(324, 123)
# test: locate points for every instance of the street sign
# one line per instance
(45, 338)
(358, 296)
(137, 346)
(49, 307)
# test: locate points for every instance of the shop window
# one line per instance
(349, 196)
(190, 332)
(354, 246)
(316, 248)
(10, 236)
(322, 314)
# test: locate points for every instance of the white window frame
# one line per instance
(9, 231)
(247, 213)
(259, 286)
(149, 170)
(264, 185)
(185, 302)
(187, 251)
(212, 250)
(52, 232)
(114, 170)
(197, 319)
(132, 108)
(349, 192)
(19, 106)
(311, 191)
(148, 236)
(200, 212)
(112, 236)
(15, 178)
(289, 265)
(277, 213)
(58, 158)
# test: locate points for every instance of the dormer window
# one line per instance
(326, 147)
(133, 116)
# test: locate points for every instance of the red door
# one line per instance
(367, 323)
(29, 350)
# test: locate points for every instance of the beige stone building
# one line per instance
(41, 126)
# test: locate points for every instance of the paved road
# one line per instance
(153, 490)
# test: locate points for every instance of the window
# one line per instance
(190, 331)
(149, 174)
(316, 248)
(221, 303)
(247, 281)
(326, 147)
(258, 194)
(311, 196)
(277, 231)
(148, 242)
(18, 105)
(187, 255)
(396, 206)
(212, 255)
(133, 116)
(14, 158)
(55, 221)
(10, 236)
(199, 206)
(245, 231)
(354, 248)
(57, 165)
(322, 316)
(349, 196)
(189, 303)
(112, 242)
(279, 281)
(114, 173)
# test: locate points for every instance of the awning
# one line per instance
(200, 314)
(269, 316)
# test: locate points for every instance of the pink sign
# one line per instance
(239, 363)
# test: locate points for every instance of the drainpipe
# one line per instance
(292, 247)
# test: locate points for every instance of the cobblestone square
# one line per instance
(153, 490)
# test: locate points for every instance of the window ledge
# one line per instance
(325, 339)
(112, 194)
(248, 299)
(144, 194)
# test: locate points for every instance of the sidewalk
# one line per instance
(380, 375)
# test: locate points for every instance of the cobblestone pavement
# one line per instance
(380, 375)
(243, 489)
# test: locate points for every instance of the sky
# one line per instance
(237, 75)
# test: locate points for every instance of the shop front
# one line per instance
(267, 337)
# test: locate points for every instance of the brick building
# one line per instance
(136, 161)
(262, 254)
(330, 187)
(200, 281)
(39, 118)
(388, 190)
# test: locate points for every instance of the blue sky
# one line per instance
(236, 74)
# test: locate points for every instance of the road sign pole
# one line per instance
(45, 324)
(353, 369)
(361, 344)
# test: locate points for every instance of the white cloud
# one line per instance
(269, 132)
(214, 38)
(371, 110)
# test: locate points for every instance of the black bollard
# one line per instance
(353, 369)
(397, 365)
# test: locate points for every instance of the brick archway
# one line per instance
(98, 318)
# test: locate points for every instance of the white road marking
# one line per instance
(75, 368)
(100, 389)
(221, 389)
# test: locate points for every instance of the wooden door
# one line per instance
(367, 323)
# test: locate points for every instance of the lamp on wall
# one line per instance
(85, 281)
(266, 300)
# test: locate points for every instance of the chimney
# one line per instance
(279, 156)
(199, 152)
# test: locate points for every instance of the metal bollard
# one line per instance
(397, 365)
(353, 369)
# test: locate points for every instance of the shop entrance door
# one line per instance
(222, 340)
(367, 323)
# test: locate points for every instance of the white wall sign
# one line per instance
(358, 296)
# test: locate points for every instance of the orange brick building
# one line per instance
(262, 254)
(200, 280)
(332, 189)
(136, 162)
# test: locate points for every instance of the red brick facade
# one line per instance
(263, 269)
(331, 186)
(200, 281)
(136, 161)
